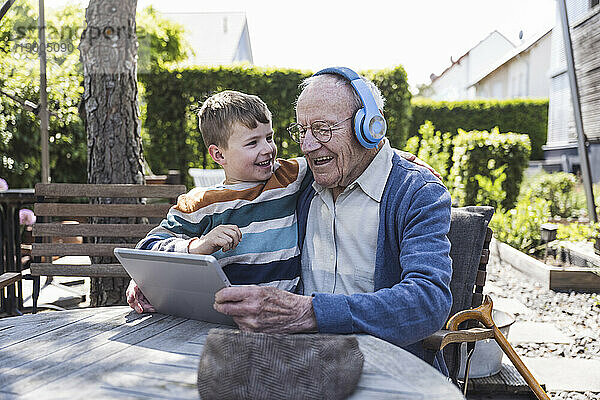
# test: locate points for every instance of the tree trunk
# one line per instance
(108, 52)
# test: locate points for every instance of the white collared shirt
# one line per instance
(339, 249)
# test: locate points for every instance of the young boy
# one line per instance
(257, 201)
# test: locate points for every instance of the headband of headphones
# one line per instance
(368, 123)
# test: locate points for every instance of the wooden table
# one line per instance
(113, 352)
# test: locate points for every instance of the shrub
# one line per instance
(480, 153)
(524, 116)
(490, 188)
(433, 147)
(577, 232)
(520, 227)
(559, 189)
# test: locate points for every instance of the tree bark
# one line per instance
(108, 52)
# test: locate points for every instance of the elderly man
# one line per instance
(375, 256)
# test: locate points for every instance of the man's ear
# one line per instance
(216, 154)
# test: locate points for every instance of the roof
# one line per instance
(468, 51)
(215, 37)
(523, 47)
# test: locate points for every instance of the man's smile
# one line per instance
(321, 160)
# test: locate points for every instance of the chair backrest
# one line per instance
(468, 233)
(206, 177)
(106, 215)
(469, 238)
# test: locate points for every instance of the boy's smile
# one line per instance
(250, 154)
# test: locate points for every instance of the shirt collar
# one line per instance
(370, 181)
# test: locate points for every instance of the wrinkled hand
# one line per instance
(222, 237)
(266, 309)
(414, 159)
(137, 300)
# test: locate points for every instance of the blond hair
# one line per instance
(221, 111)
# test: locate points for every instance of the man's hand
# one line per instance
(137, 300)
(414, 159)
(222, 237)
(266, 309)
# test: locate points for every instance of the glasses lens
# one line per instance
(296, 132)
(321, 131)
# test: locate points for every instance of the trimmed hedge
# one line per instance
(524, 116)
(170, 129)
(482, 153)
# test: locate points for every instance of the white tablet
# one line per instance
(177, 283)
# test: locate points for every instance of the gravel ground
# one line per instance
(575, 314)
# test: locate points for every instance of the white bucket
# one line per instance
(487, 357)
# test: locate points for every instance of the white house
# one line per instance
(523, 72)
(455, 82)
(217, 38)
(560, 151)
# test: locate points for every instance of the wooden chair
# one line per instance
(110, 215)
(7, 278)
(470, 316)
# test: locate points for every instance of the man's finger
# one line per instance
(237, 293)
(240, 309)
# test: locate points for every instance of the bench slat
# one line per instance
(101, 210)
(8, 278)
(91, 230)
(94, 270)
(76, 249)
(108, 190)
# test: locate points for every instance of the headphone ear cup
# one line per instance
(357, 124)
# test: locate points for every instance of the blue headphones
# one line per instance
(368, 123)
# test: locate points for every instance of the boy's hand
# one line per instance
(222, 237)
(137, 300)
(412, 158)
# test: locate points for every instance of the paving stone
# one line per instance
(536, 332)
(565, 374)
(61, 292)
(511, 306)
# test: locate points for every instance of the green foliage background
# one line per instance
(161, 44)
(478, 167)
(19, 75)
(481, 153)
(170, 129)
(528, 117)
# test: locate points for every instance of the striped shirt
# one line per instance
(265, 212)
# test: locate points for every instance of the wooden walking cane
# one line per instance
(483, 314)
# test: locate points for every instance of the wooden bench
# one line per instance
(108, 215)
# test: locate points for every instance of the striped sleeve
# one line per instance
(176, 231)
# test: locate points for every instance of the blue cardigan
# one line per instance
(412, 297)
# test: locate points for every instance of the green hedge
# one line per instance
(170, 129)
(481, 154)
(524, 116)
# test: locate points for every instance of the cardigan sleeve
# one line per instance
(419, 302)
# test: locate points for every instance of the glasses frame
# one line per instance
(303, 129)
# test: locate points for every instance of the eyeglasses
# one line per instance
(321, 130)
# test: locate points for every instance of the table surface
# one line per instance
(112, 352)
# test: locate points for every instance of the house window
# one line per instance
(594, 3)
